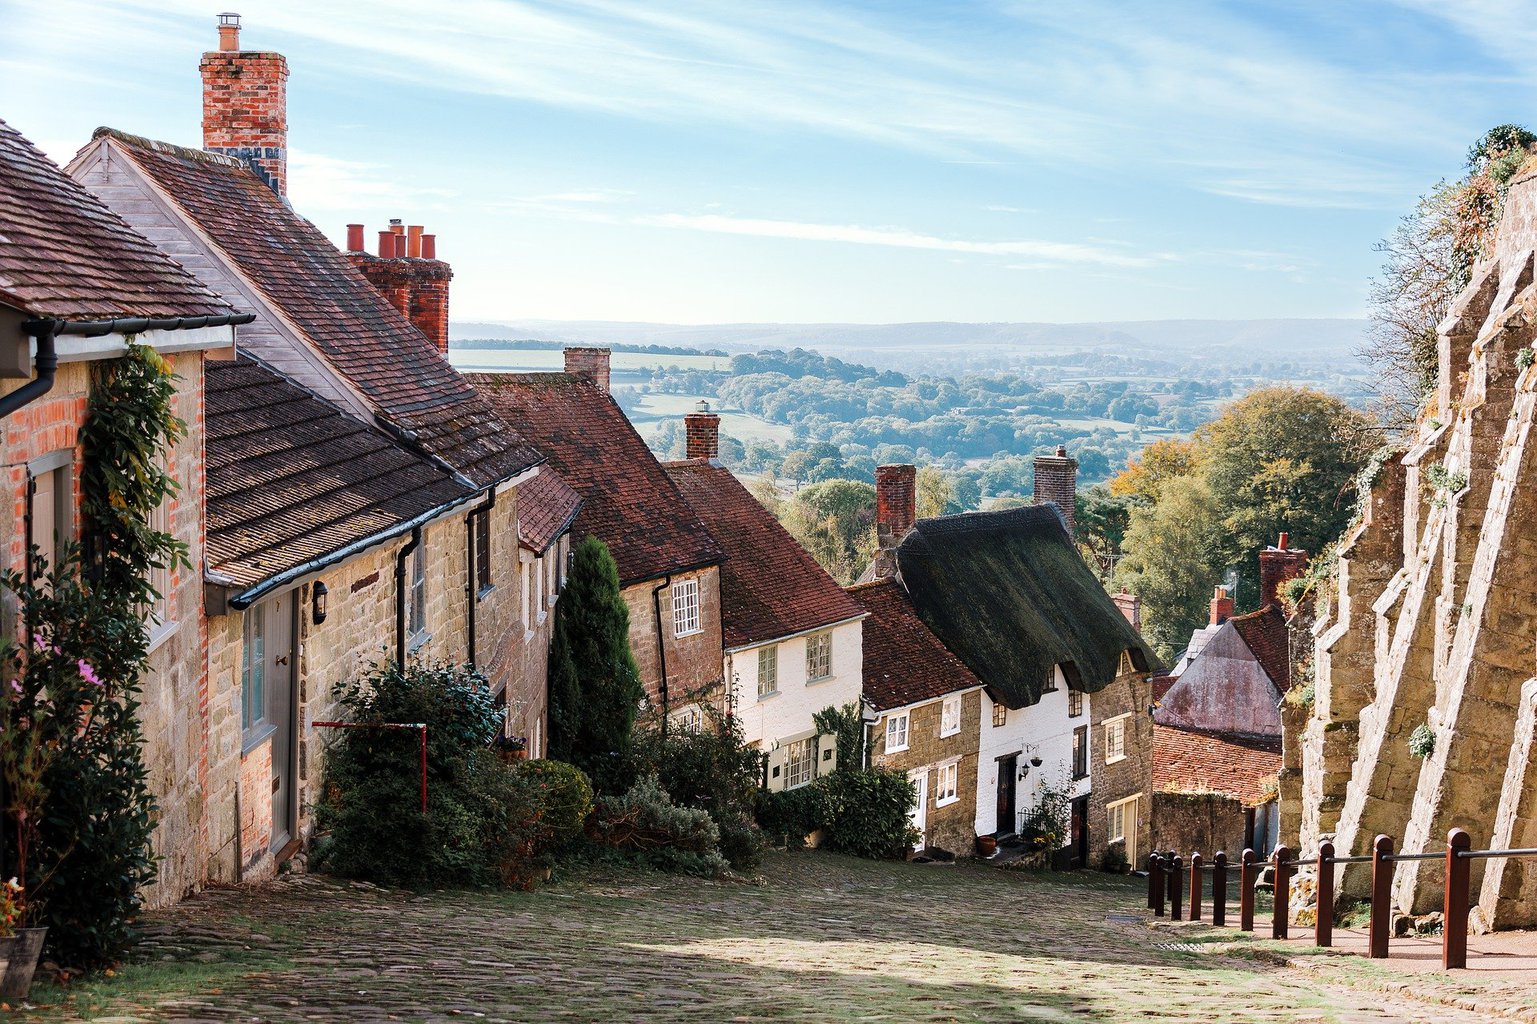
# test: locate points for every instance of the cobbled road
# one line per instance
(816, 938)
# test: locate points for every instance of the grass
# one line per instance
(740, 425)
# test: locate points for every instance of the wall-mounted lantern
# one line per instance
(318, 601)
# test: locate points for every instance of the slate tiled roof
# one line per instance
(64, 255)
(546, 507)
(364, 337)
(628, 500)
(770, 587)
(1185, 761)
(1265, 633)
(291, 477)
(1010, 595)
(904, 662)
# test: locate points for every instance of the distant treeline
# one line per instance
(534, 344)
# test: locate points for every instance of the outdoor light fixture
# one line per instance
(318, 602)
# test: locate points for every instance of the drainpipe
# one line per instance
(661, 643)
(47, 365)
(471, 577)
(400, 596)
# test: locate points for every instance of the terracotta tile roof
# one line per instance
(64, 255)
(364, 337)
(904, 662)
(1266, 634)
(546, 507)
(628, 501)
(1185, 761)
(770, 587)
(291, 477)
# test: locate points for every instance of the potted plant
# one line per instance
(512, 748)
(987, 846)
(20, 948)
(10, 917)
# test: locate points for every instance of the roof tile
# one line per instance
(1185, 761)
(904, 661)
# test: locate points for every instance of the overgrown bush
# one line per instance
(1422, 741)
(864, 812)
(480, 813)
(564, 797)
(647, 825)
(1114, 861)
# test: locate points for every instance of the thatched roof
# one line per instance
(1010, 595)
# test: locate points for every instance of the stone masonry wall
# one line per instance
(951, 827)
(1129, 694)
(695, 662)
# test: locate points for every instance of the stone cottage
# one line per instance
(792, 637)
(76, 283)
(669, 564)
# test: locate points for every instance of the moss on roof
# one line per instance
(1010, 595)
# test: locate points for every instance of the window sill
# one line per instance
(769, 695)
(255, 738)
(160, 634)
(484, 592)
(896, 750)
(1079, 778)
(687, 633)
(417, 642)
(1114, 760)
(947, 803)
(820, 679)
(947, 735)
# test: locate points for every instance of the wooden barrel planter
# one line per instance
(21, 963)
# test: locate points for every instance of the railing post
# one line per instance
(1382, 896)
(1246, 880)
(1454, 913)
(1158, 887)
(1219, 889)
(1323, 926)
(1154, 876)
(1280, 913)
(1195, 886)
(1176, 880)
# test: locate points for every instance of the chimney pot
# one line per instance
(1056, 481)
(1221, 606)
(229, 32)
(386, 244)
(701, 430)
(1277, 566)
(1282, 543)
(429, 247)
(414, 240)
(245, 105)
(354, 238)
(594, 362)
(397, 225)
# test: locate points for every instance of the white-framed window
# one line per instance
(552, 583)
(1117, 815)
(689, 720)
(160, 621)
(1074, 702)
(1115, 739)
(945, 784)
(527, 575)
(819, 656)
(253, 675)
(896, 733)
(685, 607)
(1000, 716)
(417, 620)
(950, 716)
(800, 762)
(768, 670)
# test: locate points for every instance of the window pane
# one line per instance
(768, 670)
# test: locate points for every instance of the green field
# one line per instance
(740, 425)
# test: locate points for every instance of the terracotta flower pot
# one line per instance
(987, 846)
(26, 948)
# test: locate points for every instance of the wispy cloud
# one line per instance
(320, 182)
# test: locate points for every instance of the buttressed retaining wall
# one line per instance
(1434, 617)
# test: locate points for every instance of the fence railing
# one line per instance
(1167, 872)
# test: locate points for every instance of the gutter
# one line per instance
(400, 595)
(661, 643)
(47, 366)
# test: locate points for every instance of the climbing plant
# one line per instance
(79, 675)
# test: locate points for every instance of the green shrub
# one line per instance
(479, 812)
(645, 824)
(791, 814)
(1114, 861)
(1422, 741)
(564, 798)
(865, 812)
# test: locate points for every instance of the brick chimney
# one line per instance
(1221, 606)
(594, 362)
(245, 104)
(1056, 480)
(702, 429)
(415, 285)
(896, 503)
(1130, 606)
(1277, 565)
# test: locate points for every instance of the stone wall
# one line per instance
(695, 663)
(1129, 695)
(1204, 822)
(952, 826)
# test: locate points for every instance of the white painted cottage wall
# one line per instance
(1042, 730)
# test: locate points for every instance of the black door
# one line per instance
(1008, 768)
(1081, 832)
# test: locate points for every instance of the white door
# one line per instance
(920, 812)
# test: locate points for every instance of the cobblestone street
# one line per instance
(821, 938)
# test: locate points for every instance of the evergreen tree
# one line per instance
(595, 686)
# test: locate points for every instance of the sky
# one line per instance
(800, 161)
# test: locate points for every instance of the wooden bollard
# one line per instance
(1158, 885)
(1219, 889)
(1454, 912)
(1281, 870)
(1248, 874)
(1323, 925)
(1382, 897)
(1176, 880)
(1195, 886)
(1154, 877)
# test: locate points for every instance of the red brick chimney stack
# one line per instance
(702, 430)
(245, 104)
(1130, 606)
(1277, 565)
(1221, 606)
(896, 503)
(594, 362)
(1056, 480)
(417, 286)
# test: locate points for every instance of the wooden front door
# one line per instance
(1080, 833)
(920, 812)
(1008, 770)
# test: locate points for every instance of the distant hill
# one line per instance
(1322, 340)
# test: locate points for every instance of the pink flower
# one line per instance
(88, 673)
(16, 685)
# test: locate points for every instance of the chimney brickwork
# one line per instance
(1277, 565)
(1056, 480)
(415, 285)
(594, 362)
(1221, 606)
(896, 502)
(1130, 606)
(702, 432)
(245, 104)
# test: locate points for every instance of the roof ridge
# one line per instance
(168, 148)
